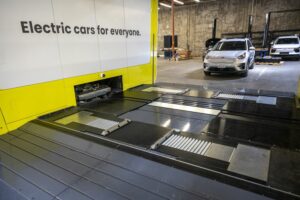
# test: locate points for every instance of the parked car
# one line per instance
(286, 47)
(230, 56)
(209, 44)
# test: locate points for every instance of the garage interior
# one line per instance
(140, 99)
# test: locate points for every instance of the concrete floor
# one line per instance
(283, 77)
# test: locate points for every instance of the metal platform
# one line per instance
(153, 145)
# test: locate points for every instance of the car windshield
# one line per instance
(230, 46)
(287, 41)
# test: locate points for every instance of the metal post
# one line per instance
(250, 23)
(214, 30)
(153, 59)
(173, 31)
(266, 31)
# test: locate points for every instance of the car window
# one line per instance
(287, 41)
(230, 46)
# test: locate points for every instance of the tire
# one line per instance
(251, 66)
(244, 74)
(206, 73)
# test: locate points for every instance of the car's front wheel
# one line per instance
(244, 74)
(251, 66)
(206, 73)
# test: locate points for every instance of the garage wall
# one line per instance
(193, 24)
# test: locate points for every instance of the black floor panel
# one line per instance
(257, 132)
(45, 163)
(138, 133)
(285, 109)
(139, 95)
(169, 118)
(284, 172)
(114, 106)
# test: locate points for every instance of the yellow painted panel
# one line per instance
(3, 128)
(28, 101)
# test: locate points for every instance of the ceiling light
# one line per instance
(165, 5)
(197, 1)
(179, 2)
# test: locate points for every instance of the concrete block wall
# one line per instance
(193, 24)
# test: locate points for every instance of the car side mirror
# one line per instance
(272, 43)
(252, 48)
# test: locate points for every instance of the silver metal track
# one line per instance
(187, 144)
(164, 90)
(230, 96)
(185, 108)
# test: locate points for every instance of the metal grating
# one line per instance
(230, 96)
(187, 144)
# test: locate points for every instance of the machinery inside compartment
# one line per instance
(98, 90)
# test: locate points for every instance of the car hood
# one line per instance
(225, 54)
(285, 46)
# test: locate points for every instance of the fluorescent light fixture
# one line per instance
(197, 1)
(165, 5)
(179, 2)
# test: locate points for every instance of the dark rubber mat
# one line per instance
(114, 106)
(138, 133)
(43, 163)
(285, 170)
(267, 133)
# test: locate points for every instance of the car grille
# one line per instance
(216, 69)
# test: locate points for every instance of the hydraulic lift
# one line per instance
(158, 142)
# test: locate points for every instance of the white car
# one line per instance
(230, 56)
(286, 46)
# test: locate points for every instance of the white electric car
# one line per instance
(230, 56)
(286, 47)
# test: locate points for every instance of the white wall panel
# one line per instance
(138, 16)
(79, 52)
(26, 58)
(110, 14)
(30, 58)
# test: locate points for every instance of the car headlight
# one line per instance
(207, 57)
(242, 56)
